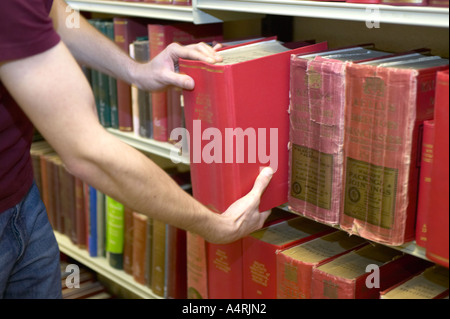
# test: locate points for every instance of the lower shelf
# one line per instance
(101, 266)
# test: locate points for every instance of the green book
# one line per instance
(115, 222)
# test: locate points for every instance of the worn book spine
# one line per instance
(384, 109)
(316, 136)
(423, 196)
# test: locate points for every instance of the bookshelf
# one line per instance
(101, 266)
(213, 11)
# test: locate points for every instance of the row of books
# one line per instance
(434, 3)
(125, 107)
(352, 128)
(79, 282)
(152, 252)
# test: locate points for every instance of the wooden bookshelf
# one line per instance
(101, 266)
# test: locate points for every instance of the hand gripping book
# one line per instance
(316, 113)
(385, 105)
(237, 122)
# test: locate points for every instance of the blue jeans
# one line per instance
(29, 253)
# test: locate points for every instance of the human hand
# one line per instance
(243, 216)
(160, 72)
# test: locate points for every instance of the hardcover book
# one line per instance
(423, 196)
(385, 105)
(363, 273)
(259, 253)
(295, 265)
(429, 284)
(438, 221)
(316, 114)
(227, 99)
(125, 32)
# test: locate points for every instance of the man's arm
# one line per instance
(55, 95)
(92, 48)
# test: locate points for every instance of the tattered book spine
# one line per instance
(316, 136)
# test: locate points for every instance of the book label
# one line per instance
(370, 192)
(312, 176)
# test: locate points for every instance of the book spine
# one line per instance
(293, 278)
(159, 38)
(438, 214)
(114, 232)
(128, 241)
(139, 247)
(92, 222)
(424, 183)
(317, 133)
(380, 149)
(80, 222)
(159, 258)
(197, 267)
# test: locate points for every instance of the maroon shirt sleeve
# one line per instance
(25, 28)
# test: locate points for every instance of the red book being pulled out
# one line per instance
(437, 218)
(237, 121)
(385, 105)
(259, 253)
(363, 273)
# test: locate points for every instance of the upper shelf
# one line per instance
(408, 15)
(158, 11)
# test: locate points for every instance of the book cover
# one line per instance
(139, 247)
(429, 284)
(125, 32)
(316, 114)
(225, 101)
(295, 265)
(438, 214)
(259, 253)
(159, 258)
(363, 273)
(423, 196)
(114, 232)
(385, 105)
(160, 36)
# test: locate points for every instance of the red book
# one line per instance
(259, 253)
(227, 100)
(405, 2)
(429, 284)
(197, 267)
(224, 263)
(160, 36)
(438, 221)
(139, 254)
(295, 265)
(317, 104)
(439, 3)
(385, 106)
(125, 32)
(423, 197)
(363, 273)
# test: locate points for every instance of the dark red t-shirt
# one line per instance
(25, 30)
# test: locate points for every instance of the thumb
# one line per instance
(181, 80)
(262, 181)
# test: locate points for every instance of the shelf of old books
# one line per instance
(408, 15)
(101, 266)
(163, 149)
(173, 12)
